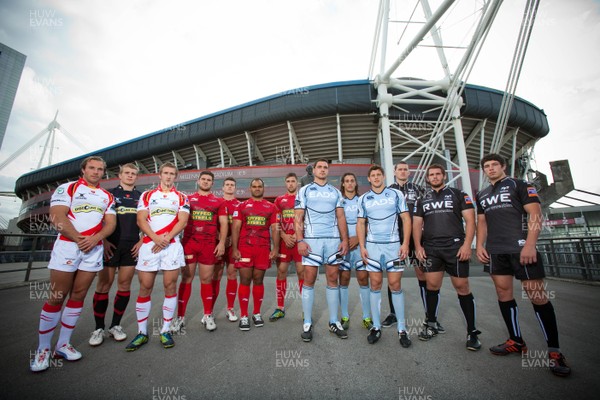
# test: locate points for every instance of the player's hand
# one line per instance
(135, 250)
(236, 254)
(273, 254)
(108, 249)
(161, 241)
(157, 249)
(420, 253)
(404, 251)
(87, 243)
(219, 250)
(464, 253)
(482, 255)
(528, 255)
(303, 249)
(364, 254)
(352, 243)
(343, 248)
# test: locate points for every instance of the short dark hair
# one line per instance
(320, 160)
(343, 189)
(400, 163)
(375, 167)
(493, 157)
(292, 175)
(435, 166)
(229, 179)
(207, 173)
(259, 180)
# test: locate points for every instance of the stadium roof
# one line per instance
(318, 118)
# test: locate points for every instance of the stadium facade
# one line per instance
(272, 136)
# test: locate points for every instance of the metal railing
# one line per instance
(17, 249)
(574, 257)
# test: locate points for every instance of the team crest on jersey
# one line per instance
(60, 190)
(468, 200)
(370, 197)
(80, 196)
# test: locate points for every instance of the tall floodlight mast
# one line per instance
(437, 102)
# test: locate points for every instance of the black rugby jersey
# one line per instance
(411, 192)
(442, 216)
(126, 202)
(502, 204)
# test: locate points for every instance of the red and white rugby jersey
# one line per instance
(163, 209)
(87, 206)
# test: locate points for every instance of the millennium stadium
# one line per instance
(273, 136)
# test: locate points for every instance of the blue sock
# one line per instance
(375, 298)
(308, 298)
(344, 301)
(333, 302)
(398, 300)
(365, 301)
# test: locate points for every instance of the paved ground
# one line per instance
(273, 362)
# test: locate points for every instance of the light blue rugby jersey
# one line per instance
(351, 212)
(319, 204)
(381, 211)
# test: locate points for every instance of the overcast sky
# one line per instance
(117, 70)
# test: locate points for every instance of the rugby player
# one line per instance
(84, 215)
(203, 243)
(349, 189)
(162, 214)
(322, 237)
(446, 247)
(509, 220)
(380, 248)
(120, 251)
(254, 242)
(288, 248)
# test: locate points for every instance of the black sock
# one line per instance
(547, 319)
(100, 306)
(121, 301)
(423, 293)
(467, 304)
(433, 299)
(392, 310)
(510, 313)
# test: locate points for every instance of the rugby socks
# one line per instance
(244, 299)
(375, 299)
(547, 319)
(49, 318)
(392, 311)
(216, 288)
(69, 318)
(120, 304)
(333, 302)
(510, 313)
(206, 292)
(365, 301)
(398, 299)
(168, 309)
(433, 301)
(344, 301)
(258, 293)
(100, 306)
(467, 305)
(231, 290)
(280, 291)
(185, 292)
(308, 299)
(423, 293)
(142, 311)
